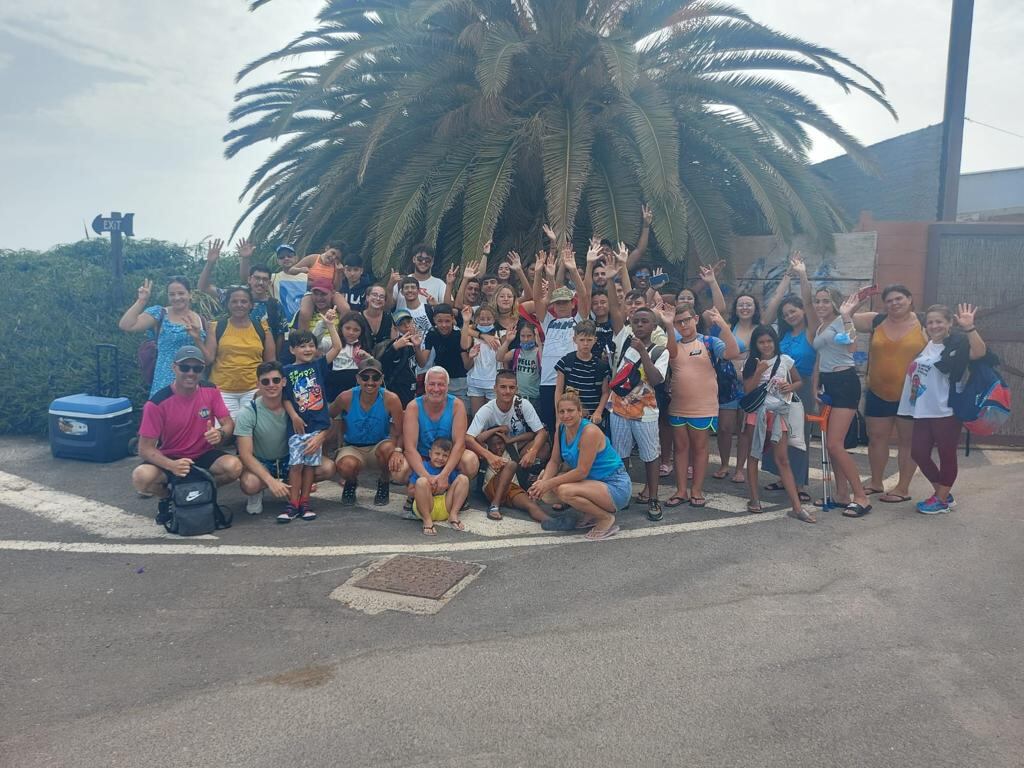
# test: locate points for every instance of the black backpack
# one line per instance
(193, 505)
(222, 325)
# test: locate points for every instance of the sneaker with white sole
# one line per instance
(254, 504)
(290, 513)
(933, 505)
(950, 501)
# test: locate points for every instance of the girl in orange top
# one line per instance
(318, 266)
(897, 337)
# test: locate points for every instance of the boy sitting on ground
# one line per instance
(437, 497)
(501, 487)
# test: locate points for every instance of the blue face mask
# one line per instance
(528, 345)
(485, 328)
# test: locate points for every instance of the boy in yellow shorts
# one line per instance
(443, 496)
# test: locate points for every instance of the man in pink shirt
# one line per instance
(179, 429)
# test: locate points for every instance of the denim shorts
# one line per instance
(487, 392)
(620, 488)
(732, 405)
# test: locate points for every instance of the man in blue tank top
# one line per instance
(372, 435)
(432, 415)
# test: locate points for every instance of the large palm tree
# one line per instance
(453, 121)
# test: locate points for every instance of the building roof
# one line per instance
(996, 191)
(907, 187)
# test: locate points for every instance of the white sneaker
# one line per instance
(254, 504)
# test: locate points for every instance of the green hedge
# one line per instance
(60, 304)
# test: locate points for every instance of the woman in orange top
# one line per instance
(897, 337)
(326, 265)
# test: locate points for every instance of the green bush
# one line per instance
(62, 303)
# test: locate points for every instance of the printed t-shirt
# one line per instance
(432, 286)
(179, 422)
(585, 376)
(289, 290)
(239, 351)
(527, 373)
(641, 404)
(694, 383)
(268, 430)
(355, 295)
(421, 320)
(925, 387)
(490, 416)
(558, 342)
(305, 387)
(775, 398)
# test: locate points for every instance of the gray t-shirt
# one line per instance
(832, 356)
(268, 430)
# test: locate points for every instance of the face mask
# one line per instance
(485, 328)
(528, 345)
(843, 338)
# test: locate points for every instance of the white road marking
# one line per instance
(91, 516)
(1003, 458)
(241, 550)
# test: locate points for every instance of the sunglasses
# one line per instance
(369, 377)
(268, 382)
(423, 258)
(641, 274)
(191, 368)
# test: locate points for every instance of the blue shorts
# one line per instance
(296, 451)
(620, 488)
(278, 468)
(732, 405)
(702, 423)
(877, 407)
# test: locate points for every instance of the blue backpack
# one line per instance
(729, 386)
(982, 400)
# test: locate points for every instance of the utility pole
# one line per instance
(957, 61)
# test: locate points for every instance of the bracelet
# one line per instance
(399, 450)
(969, 330)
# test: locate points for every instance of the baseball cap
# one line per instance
(401, 314)
(369, 364)
(188, 352)
(284, 247)
(322, 284)
(562, 294)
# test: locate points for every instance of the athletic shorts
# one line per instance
(297, 456)
(278, 468)
(702, 423)
(366, 454)
(513, 491)
(842, 388)
(438, 510)
(877, 407)
(204, 461)
(626, 432)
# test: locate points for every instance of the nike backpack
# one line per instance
(193, 505)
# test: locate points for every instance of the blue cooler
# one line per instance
(92, 427)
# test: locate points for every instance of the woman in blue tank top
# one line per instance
(597, 483)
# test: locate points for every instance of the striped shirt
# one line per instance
(585, 376)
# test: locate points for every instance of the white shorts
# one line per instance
(626, 432)
(236, 401)
(475, 391)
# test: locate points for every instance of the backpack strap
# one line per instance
(222, 326)
(515, 358)
(517, 404)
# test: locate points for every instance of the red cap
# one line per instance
(322, 284)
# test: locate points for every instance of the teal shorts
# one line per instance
(702, 423)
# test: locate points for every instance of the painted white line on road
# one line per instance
(241, 550)
(91, 516)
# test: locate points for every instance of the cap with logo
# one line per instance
(189, 352)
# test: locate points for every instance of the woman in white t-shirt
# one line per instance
(765, 365)
(925, 398)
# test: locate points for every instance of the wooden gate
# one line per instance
(984, 264)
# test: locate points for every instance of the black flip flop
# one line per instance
(856, 510)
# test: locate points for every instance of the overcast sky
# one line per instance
(120, 104)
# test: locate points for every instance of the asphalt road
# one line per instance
(894, 640)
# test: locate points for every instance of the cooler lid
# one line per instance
(90, 405)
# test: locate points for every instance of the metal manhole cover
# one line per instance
(417, 576)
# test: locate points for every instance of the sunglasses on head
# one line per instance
(268, 382)
(199, 368)
(369, 377)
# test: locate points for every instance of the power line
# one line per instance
(994, 128)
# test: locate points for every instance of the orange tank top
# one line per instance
(321, 270)
(888, 361)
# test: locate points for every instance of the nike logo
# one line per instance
(192, 496)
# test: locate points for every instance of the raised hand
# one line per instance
(713, 317)
(594, 251)
(568, 257)
(487, 247)
(797, 265)
(472, 269)
(658, 271)
(514, 262)
(245, 248)
(453, 275)
(549, 266)
(965, 315)
(415, 339)
(852, 302)
(145, 291)
(666, 312)
(214, 251)
(467, 315)
(331, 315)
(549, 233)
(647, 214)
(474, 351)
(707, 274)
(622, 255)
(395, 277)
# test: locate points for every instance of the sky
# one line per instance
(122, 105)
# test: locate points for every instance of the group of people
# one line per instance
(548, 378)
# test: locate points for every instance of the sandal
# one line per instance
(893, 498)
(720, 474)
(803, 515)
(559, 507)
(584, 522)
(868, 491)
(597, 535)
(754, 508)
(429, 530)
(641, 499)
(775, 487)
(830, 504)
(675, 501)
(804, 497)
(856, 510)
(734, 479)
(494, 512)
(456, 524)
(698, 501)
(664, 470)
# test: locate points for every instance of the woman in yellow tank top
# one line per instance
(237, 348)
(897, 337)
